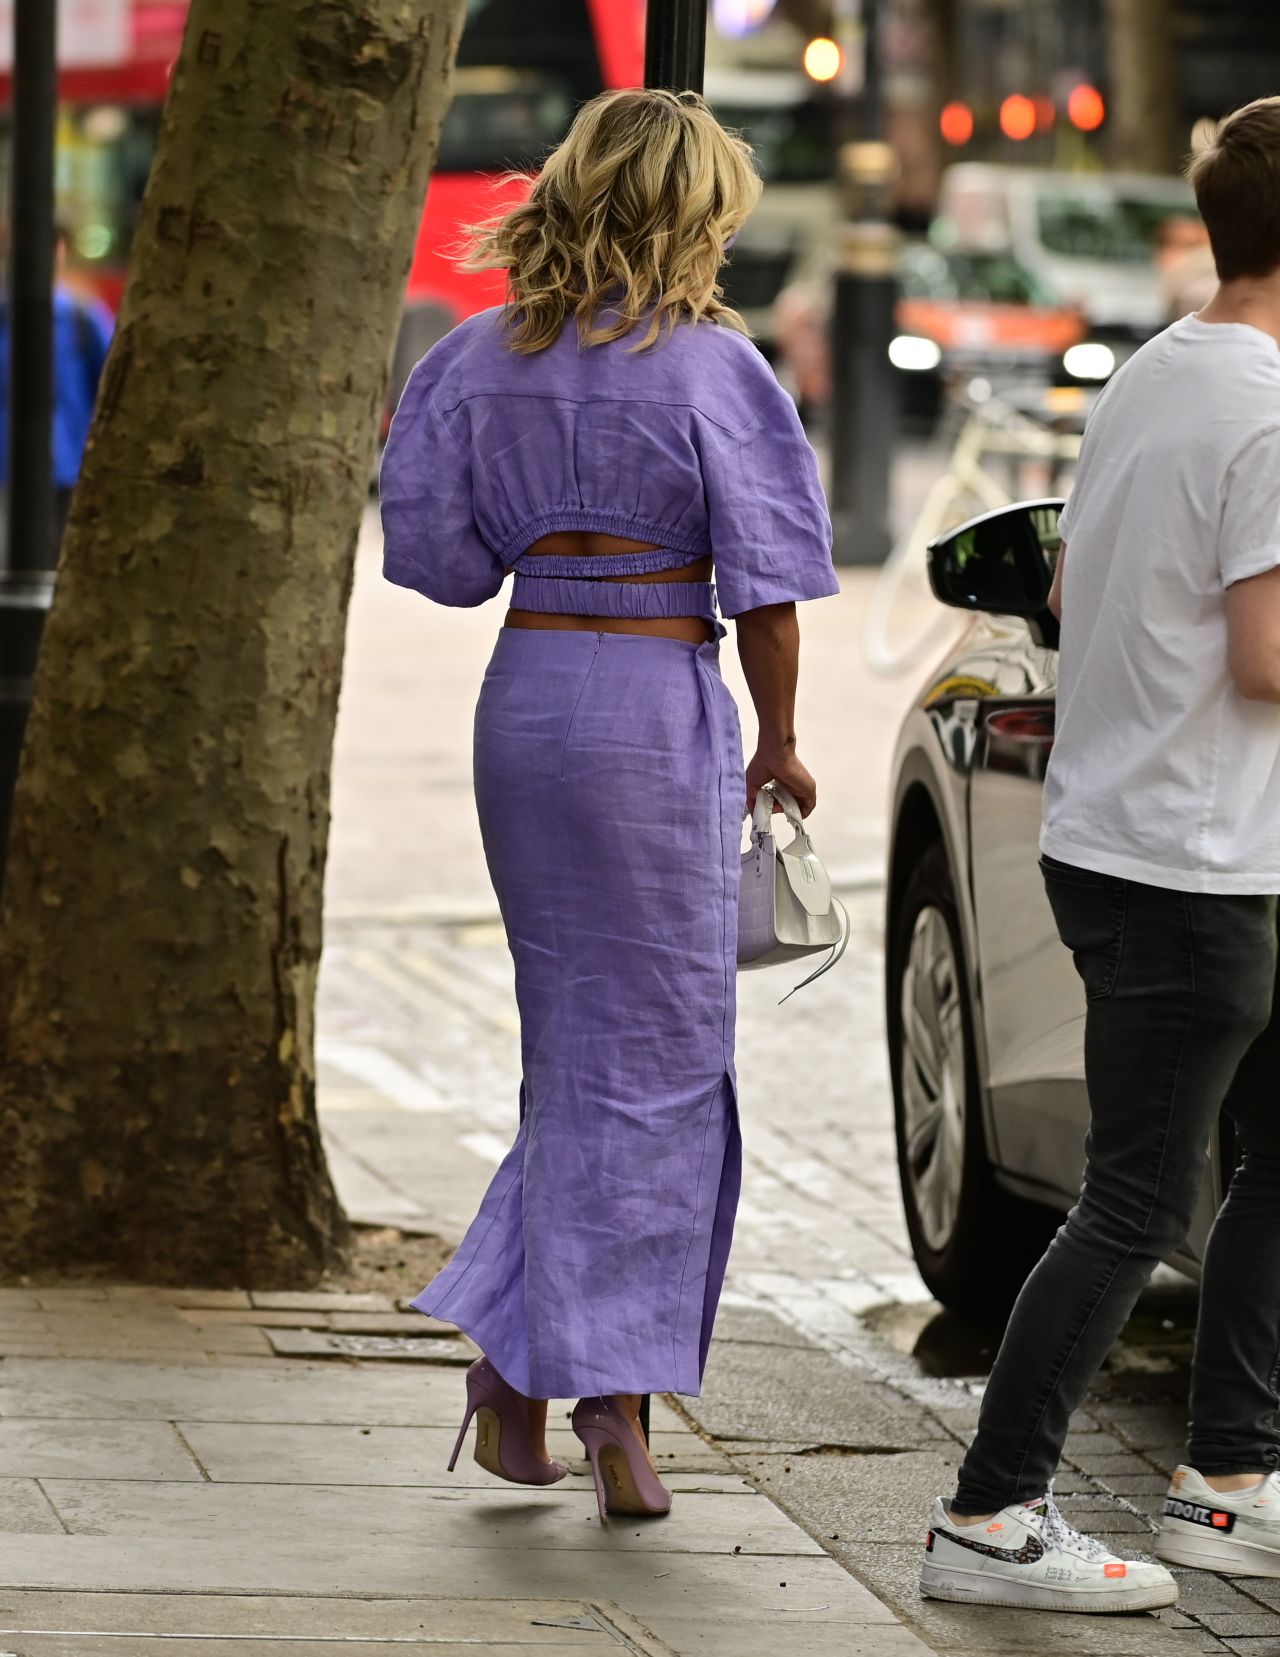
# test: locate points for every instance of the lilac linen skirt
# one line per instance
(609, 782)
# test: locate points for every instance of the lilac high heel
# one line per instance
(624, 1475)
(503, 1445)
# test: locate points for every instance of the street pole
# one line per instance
(26, 579)
(675, 56)
(864, 395)
(675, 44)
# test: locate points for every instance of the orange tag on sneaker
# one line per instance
(1119, 1568)
(1222, 1520)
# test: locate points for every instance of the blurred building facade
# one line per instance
(1070, 84)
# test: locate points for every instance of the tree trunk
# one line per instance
(162, 919)
(1144, 122)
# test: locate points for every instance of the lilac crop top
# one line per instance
(691, 445)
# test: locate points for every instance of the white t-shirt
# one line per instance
(1161, 772)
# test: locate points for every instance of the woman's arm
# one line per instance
(769, 650)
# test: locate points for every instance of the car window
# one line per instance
(1115, 229)
(987, 278)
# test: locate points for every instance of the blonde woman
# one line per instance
(612, 437)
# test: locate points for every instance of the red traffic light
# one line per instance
(1017, 117)
(956, 123)
(1085, 108)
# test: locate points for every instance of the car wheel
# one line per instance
(973, 1243)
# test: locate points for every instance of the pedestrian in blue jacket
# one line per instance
(82, 327)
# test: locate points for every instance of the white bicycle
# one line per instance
(1022, 428)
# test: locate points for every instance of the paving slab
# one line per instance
(24, 1507)
(743, 1321)
(803, 1394)
(709, 1515)
(135, 1292)
(18, 1298)
(796, 1634)
(648, 1584)
(846, 1497)
(290, 1300)
(391, 1323)
(595, 1644)
(379, 1455)
(330, 1343)
(537, 1621)
(253, 1317)
(319, 1393)
(37, 1448)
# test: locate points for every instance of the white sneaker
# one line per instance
(1029, 1556)
(1237, 1532)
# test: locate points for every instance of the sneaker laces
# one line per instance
(1059, 1534)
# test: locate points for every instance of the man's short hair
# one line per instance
(1236, 177)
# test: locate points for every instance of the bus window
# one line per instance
(504, 120)
(524, 66)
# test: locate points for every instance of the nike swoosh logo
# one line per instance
(1031, 1550)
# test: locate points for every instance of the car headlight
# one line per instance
(1090, 360)
(914, 353)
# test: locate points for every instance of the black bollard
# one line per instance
(26, 576)
(864, 392)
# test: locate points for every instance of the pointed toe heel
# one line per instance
(503, 1444)
(624, 1476)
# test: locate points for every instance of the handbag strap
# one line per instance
(762, 816)
(837, 950)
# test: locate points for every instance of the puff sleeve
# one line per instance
(430, 539)
(770, 531)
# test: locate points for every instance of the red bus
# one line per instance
(523, 68)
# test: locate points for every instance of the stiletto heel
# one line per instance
(592, 1446)
(462, 1431)
(503, 1443)
(624, 1477)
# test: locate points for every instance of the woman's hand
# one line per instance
(769, 650)
(781, 765)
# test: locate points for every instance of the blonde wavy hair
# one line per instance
(627, 223)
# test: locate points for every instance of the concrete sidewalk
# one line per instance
(217, 1498)
(181, 1468)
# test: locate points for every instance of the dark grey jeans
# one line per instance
(1182, 1021)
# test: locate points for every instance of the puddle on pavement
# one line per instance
(1156, 1341)
(944, 1344)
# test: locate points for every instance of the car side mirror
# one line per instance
(1002, 563)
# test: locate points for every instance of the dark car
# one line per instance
(985, 1013)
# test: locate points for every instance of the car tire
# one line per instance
(973, 1242)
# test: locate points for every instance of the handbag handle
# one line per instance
(762, 816)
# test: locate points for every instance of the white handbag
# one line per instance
(786, 908)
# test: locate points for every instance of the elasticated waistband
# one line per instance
(586, 566)
(632, 601)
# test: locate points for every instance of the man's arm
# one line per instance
(1253, 636)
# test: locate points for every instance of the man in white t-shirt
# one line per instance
(1161, 857)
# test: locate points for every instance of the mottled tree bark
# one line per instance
(161, 928)
(1145, 130)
